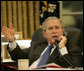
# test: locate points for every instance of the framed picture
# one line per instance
(18, 35)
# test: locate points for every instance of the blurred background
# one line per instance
(27, 16)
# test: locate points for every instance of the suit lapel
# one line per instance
(53, 56)
(38, 49)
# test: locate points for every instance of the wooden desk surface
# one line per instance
(13, 64)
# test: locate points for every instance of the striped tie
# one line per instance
(45, 56)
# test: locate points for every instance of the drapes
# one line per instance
(25, 16)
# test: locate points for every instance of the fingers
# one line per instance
(4, 29)
(6, 32)
(62, 38)
(11, 26)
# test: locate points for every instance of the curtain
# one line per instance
(24, 15)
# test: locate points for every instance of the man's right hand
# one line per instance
(9, 32)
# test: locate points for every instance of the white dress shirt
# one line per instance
(63, 51)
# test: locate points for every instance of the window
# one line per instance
(72, 13)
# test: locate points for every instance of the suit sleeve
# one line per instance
(73, 58)
(18, 53)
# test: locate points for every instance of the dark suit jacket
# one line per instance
(39, 43)
(34, 52)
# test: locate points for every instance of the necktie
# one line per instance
(45, 56)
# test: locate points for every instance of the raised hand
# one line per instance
(9, 32)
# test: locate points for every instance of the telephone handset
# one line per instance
(57, 41)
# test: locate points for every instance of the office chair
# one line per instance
(73, 34)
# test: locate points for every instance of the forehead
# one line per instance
(54, 22)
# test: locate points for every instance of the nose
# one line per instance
(54, 30)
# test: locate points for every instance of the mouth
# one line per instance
(55, 37)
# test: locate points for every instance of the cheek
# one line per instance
(47, 35)
(60, 33)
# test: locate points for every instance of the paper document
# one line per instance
(51, 65)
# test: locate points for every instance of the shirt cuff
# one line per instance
(63, 51)
(12, 46)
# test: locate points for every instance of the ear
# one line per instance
(44, 33)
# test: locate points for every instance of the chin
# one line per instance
(53, 42)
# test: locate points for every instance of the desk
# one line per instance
(4, 53)
(13, 64)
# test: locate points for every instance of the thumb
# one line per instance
(11, 26)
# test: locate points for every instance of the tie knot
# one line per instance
(51, 46)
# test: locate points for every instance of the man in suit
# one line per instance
(62, 53)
